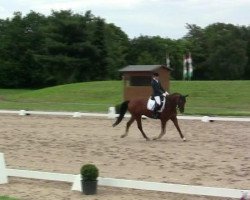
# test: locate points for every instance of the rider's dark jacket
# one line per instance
(157, 88)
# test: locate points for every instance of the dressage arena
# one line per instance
(216, 154)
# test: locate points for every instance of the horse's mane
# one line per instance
(175, 93)
(174, 97)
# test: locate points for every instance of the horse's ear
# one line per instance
(186, 95)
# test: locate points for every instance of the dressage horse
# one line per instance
(138, 107)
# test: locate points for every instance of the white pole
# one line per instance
(111, 113)
(3, 174)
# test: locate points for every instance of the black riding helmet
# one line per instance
(155, 74)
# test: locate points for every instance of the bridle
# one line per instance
(181, 100)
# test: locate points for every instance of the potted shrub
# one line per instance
(89, 174)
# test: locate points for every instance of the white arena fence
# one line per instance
(75, 180)
(111, 115)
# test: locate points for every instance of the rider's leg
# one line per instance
(157, 106)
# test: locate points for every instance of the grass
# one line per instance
(89, 96)
(6, 198)
(205, 97)
(216, 97)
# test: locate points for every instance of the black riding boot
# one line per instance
(155, 112)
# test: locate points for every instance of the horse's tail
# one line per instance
(123, 110)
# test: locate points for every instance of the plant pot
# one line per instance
(89, 187)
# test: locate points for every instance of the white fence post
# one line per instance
(111, 113)
(205, 119)
(77, 183)
(22, 112)
(77, 114)
(3, 173)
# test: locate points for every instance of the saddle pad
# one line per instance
(151, 104)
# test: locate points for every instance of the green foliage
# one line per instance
(100, 64)
(39, 51)
(89, 172)
(147, 50)
(20, 37)
(117, 48)
(65, 56)
(220, 51)
(7, 198)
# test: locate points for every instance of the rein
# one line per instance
(175, 101)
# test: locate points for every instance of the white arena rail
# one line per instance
(112, 182)
(111, 115)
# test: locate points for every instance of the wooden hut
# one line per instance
(137, 79)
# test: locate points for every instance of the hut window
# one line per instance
(140, 80)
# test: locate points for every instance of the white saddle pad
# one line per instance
(151, 104)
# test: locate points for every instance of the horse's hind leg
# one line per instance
(175, 121)
(131, 120)
(138, 119)
(163, 130)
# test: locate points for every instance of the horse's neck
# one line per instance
(172, 101)
(175, 99)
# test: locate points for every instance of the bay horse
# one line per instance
(138, 107)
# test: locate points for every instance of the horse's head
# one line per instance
(181, 103)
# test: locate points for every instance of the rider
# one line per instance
(158, 93)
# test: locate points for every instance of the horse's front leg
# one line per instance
(175, 121)
(138, 119)
(163, 130)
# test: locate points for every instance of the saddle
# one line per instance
(151, 104)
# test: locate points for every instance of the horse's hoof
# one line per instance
(184, 139)
(123, 136)
(155, 138)
(147, 139)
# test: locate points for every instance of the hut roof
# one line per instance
(140, 68)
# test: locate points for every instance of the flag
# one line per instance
(190, 67)
(167, 61)
(185, 68)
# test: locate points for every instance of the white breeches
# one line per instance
(158, 100)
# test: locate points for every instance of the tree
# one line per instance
(246, 36)
(117, 47)
(196, 44)
(226, 51)
(19, 38)
(67, 55)
(101, 64)
(153, 50)
(219, 51)
(39, 51)
(153, 46)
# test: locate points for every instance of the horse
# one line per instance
(138, 107)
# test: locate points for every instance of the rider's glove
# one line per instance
(165, 94)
